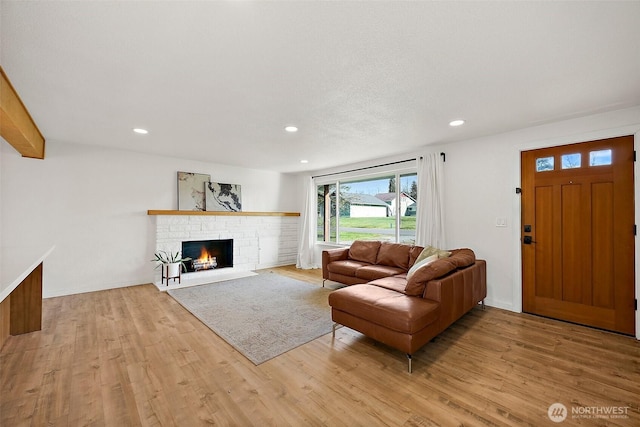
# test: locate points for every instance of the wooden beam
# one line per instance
(16, 125)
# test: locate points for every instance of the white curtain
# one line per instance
(430, 215)
(307, 235)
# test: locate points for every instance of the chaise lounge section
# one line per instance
(403, 295)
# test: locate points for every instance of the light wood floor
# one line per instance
(134, 356)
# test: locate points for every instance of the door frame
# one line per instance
(516, 206)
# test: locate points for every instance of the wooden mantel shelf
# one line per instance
(220, 213)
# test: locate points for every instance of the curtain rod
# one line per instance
(372, 167)
(365, 168)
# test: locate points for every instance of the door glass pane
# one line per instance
(571, 161)
(544, 164)
(600, 158)
(366, 211)
(327, 213)
(408, 207)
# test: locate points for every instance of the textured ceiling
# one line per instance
(219, 81)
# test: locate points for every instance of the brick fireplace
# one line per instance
(259, 241)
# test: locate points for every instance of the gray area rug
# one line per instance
(261, 316)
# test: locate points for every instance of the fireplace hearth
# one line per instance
(208, 254)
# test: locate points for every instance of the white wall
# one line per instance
(481, 176)
(92, 204)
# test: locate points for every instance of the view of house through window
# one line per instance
(380, 208)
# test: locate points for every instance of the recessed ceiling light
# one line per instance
(141, 131)
(456, 122)
(291, 129)
(304, 161)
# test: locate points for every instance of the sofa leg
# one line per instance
(483, 307)
(333, 330)
(409, 360)
(323, 280)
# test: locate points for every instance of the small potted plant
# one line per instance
(173, 263)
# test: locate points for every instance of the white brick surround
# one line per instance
(258, 241)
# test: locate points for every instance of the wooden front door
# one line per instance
(578, 233)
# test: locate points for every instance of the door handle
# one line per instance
(527, 240)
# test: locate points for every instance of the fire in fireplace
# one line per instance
(208, 254)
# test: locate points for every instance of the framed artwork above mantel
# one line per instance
(191, 191)
(223, 197)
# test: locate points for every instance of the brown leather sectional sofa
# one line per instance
(386, 306)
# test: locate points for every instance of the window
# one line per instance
(571, 161)
(600, 158)
(379, 207)
(544, 164)
(327, 213)
(574, 160)
(408, 207)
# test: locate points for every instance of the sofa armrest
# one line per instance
(331, 255)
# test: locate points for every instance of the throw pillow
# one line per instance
(421, 263)
(430, 250)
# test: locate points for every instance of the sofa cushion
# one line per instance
(430, 250)
(373, 272)
(385, 307)
(364, 251)
(433, 270)
(394, 255)
(346, 268)
(395, 283)
(462, 257)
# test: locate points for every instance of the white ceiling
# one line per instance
(219, 81)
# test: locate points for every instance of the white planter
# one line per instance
(173, 269)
